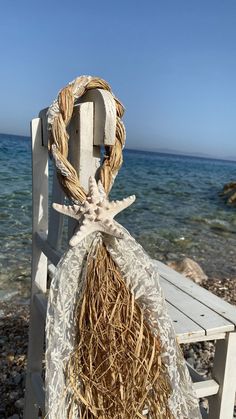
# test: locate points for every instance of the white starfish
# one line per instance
(96, 213)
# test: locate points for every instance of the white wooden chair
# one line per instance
(197, 314)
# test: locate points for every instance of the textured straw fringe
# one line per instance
(60, 115)
(116, 369)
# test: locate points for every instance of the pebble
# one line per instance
(14, 338)
(17, 378)
(20, 403)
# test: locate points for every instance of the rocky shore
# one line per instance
(14, 320)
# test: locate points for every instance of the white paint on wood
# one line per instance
(104, 115)
(39, 262)
(38, 388)
(82, 154)
(42, 243)
(222, 405)
(215, 303)
(206, 388)
(56, 220)
(185, 328)
(191, 339)
(39, 203)
(43, 117)
(198, 312)
(41, 302)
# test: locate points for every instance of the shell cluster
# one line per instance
(96, 213)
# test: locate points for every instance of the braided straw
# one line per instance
(59, 116)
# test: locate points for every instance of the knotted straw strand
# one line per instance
(59, 116)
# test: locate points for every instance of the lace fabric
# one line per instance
(142, 278)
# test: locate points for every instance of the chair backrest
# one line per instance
(92, 126)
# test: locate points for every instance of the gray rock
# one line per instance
(19, 404)
(17, 378)
(189, 268)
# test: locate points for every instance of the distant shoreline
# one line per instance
(174, 153)
(179, 154)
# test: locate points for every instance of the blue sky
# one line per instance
(171, 62)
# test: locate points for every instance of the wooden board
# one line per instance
(39, 262)
(210, 300)
(104, 115)
(184, 327)
(210, 321)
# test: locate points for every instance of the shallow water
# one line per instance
(177, 212)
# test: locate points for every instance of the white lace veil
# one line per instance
(141, 276)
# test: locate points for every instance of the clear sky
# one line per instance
(171, 62)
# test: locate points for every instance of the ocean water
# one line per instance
(178, 211)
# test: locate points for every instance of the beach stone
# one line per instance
(229, 190)
(17, 378)
(189, 268)
(19, 404)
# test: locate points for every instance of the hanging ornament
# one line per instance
(111, 348)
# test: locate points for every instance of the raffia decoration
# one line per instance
(60, 114)
(115, 371)
(117, 359)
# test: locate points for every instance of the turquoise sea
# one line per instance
(178, 211)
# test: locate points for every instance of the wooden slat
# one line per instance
(184, 327)
(43, 117)
(84, 157)
(39, 260)
(41, 302)
(56, 220)
(223, 372)
(39, 203)
(42, 243)
(104, 115)
(38, 388)
(210, 300)
(192, 308)
(206, 388)
(192, 339)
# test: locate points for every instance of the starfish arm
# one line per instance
(72, 211)
(93, 190)
(117, 206)
(101, 190)
(109, 227)
(83, 231)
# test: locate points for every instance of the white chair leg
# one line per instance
(35, 356)
(221, 405)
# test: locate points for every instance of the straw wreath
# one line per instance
(59, 116)
(116, 370)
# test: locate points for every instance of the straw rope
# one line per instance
(59, 116)
(117, 358)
